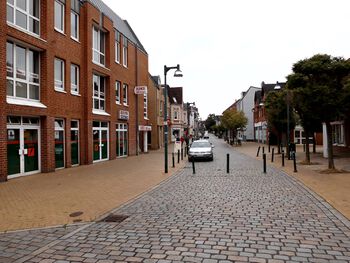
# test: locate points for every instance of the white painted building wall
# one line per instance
(246, 104)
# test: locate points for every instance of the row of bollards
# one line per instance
(227, 164)
(292, 157)
(183, 153)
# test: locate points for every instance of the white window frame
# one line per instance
(145, 106)
(16, 9)
(125, 94)
(97, 96)
(161, 108)
(77, 17)
(117, 47)
(26, 81)
(98, 49)
(58, 129)
(122, 131)
(74, 87)
(62, 7)
(59, 84)
(176, 115)
(117, 91)
(76, 129)
(125, 52)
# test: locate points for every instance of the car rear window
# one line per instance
(200, 144)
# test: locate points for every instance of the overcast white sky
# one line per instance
(226, 46)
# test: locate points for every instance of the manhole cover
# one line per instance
(75, 214)
(114, 218)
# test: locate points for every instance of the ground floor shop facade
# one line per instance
(34, 144)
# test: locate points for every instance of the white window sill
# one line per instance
(118, 62)
(146, 118)
(126, 105)
(25, 31)
(100, 112)
(75, 40)
(60, 31)
(24, 102)
(100, 65)
(61, 91)
(76, 94)
(118, 103)
(125, 66)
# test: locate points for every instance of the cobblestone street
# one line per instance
(210, 216)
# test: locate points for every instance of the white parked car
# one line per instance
(201, 149)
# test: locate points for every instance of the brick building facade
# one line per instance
(67, 93)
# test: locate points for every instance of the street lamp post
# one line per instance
(278, 87)
(177, 73)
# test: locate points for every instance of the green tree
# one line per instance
(276, 106)
(233, 120)
(210, 122)
(304, 107)
(322, 85)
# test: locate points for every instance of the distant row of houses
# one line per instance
(252, 104)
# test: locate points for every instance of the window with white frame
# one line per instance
(22, 72)
(59, 74)
(338, 133)
(125, 51)
(161, 108)
(117, 92)
(145, 106)
(74, 79)
(59, 15)
(24, 14)
(99, 92)
(117, 47)
(125, 94)
(98, 46)
(74, 25)
(176, 114)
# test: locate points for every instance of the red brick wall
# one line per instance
(3, 132)
(65, 105)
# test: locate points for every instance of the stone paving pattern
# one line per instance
(244, 216)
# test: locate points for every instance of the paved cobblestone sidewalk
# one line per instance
(244, 216)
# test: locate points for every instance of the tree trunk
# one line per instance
(278, 143)
(307, 151)
(331, 165)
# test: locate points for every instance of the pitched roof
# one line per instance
(266, 88)
(121, 25)
(175, 93)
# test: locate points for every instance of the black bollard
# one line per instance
(269, 147)
(295, 162)
(173, 155)
(193, 167)
(185, 151)
(182, 154)
(272, 155)
(178, 156)
(263, 150)
(282, 158)
(228, 163)
(264, 163)
(257, 154)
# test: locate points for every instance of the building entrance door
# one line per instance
(100, 141)
(23, 150)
